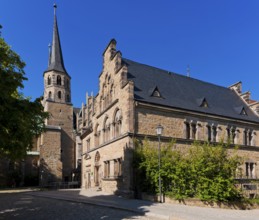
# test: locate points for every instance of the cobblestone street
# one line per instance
(23, 206)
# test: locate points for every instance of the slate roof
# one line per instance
(187, 93)
(56, 58)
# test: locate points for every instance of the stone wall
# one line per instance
(50, 156)
(61, 115)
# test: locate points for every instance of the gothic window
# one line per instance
(214, 133)
(233, 135)
(106, 169)
(193, 126)
(97, 157)
(58, 80)
(228, 133)
(117, 123)
(49, 80)
(50, 95)
(245, 138)
(187, 130)
(209, 132)
(68, 98)
(117, 167)
(106, 131)
(97, 136)
(250, 137)
(59, 94)
(250, 169)
(111, 93)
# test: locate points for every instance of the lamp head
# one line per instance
(159, 130)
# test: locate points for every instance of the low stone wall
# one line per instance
(197, 202)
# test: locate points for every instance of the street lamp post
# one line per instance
(159, 131)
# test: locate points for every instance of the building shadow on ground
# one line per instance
(70, 204)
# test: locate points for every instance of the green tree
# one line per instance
(20, 119)
(204, 171)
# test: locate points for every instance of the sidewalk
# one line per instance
(149, 209)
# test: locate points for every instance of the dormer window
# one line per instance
(203, 103)
(156, 93)
(243, 112)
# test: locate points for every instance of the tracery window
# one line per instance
(117, 123)
(250, 169)
(117, 167)
(106, 131)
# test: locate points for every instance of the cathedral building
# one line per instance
(135, 98)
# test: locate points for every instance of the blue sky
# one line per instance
(219, 39)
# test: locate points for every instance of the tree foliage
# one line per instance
(20, 119)
(203, 171)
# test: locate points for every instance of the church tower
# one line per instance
(57, 143)
(56, 78)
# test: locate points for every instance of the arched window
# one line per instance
(111, 94)
(97, 157)
(59, 94)
(97, 135)
(68, 98)
(58, 80)
(49, 80)
(106, 130)
(50, 95)
(117, 123)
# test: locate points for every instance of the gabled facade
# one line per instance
(134, 99)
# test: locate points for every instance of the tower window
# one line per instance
(50, 95)
(58, 80)
(59, 94)
(68, 98)
(67, 83)
(49, 80)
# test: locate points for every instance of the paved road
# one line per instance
(23, 206)
(90, 204)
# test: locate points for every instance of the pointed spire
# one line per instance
(56, 59)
